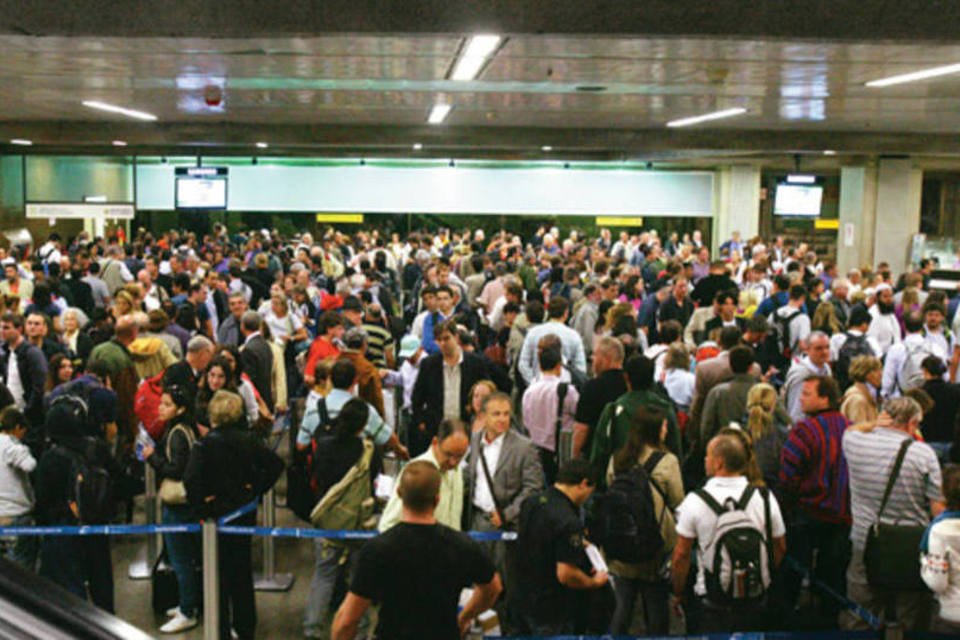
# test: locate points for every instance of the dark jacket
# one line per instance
(940, 424)
(257, 360)
(228, 468)
(708, 288)
(32, 367)
(716, 322)
(673, 310)
(172, 467)
(427, 396)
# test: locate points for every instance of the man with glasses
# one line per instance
(446, 451)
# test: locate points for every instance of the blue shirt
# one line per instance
(429, 343)
(376, 429)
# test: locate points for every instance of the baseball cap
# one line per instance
(408, 346)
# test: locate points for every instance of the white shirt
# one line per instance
(14, 383)
(451, 389)
(897, 356)
(698, 521)
(482, 496)
(939, 340)
(657, 353)
(799, 327)
(885, 328)
(16, 491)
(837, 341)
(680, 384)
(417, 328)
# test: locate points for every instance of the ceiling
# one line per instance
(596, 94)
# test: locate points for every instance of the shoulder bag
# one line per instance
(173, 491)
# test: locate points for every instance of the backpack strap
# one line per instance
(710, 501)
(892, 480)
(561, 397)
(768, 526)
(745, 498)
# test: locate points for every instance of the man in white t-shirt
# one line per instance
(726, 464)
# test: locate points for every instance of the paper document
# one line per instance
(596, 559)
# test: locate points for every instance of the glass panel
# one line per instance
(72, 178)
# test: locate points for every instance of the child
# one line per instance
(940, 556)
(16, 492)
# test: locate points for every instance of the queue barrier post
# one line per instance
(142, 567)
(211, 581)
(268, 579)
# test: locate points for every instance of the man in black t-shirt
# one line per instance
(608, 384)
(416, 571)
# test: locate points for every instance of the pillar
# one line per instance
(858, 200)
(738, 203)
(899, 187)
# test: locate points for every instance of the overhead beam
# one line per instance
(932, 21)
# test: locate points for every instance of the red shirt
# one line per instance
(320, 349)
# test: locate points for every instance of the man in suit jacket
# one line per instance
(443, 386)
(725, 304)
(187, 372)
(257, 357)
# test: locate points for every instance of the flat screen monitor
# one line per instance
(798, 200)
(201, 193)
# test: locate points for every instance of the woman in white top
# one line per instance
(677, 378)
(940, 556)
(284, 325)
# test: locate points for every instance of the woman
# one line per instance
(860, 400)
(480, 390)
(122, 304)
(940, 424)
(768, 429)
(59, 371)
(677, 378)
(753, 473)
(78, 344)
(825, 320)
(219, 375)
(633, 292)
(244, 386)
(228, 469)
(645, 446)
(169, 460)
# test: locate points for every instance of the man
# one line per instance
(731, 245)
(608, 384)
(916, 497)
(884, 327)
(443, 313)
(416, 571)
(115, 355)
(678, 306)
(13, 286)
(585, 319)
(553, 570)
(325, 345)
(150, 353)
(902, 369)
(113, 271)
(840, 299)
(428, 302)
(157, 323)
(938, 336)
(229, 330)
(709, 374)
(380, 348)
(369, 385)
(779, 297)
(257, 357)
(727, 402)
(650, 310)
(188, 372)
(792, 323)
(716, 281)
(725, 302)
(446, 451)
(35, 329)
(50, 251)
(541, 404)
(726, 465)
(352, 311)
(816, 362)
(23, 370)
(513, 293)
(858, 323)
(153, 294)
(98, 289)
(443, 386)
(511, 463)
(573, 353)
(813, 477)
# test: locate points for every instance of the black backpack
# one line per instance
(853, 347)
(72, 406)
(781, 326)
(90, 485)
(625, 522)
(301, 476)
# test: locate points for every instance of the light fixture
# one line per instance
(112, 108)
(714, 115)
(474, 56)
(95, 199)
(262, 145)
(801, 178)
(439, 113)
(829, 152)
(914, 76)
(546, 148)
(452, 163)
(21, 142)
(119, 143)
(417, 146)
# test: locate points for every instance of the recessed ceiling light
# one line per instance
(474, 56)
(546, 147)
(439, 113)
(714, 115)
(801, 178)
(262, 145)
(829, 152)
(112, 108)
(914, 76)
(95, 199)
(417, 146)
(119, 143)
(21, 142)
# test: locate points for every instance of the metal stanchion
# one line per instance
(142, 567)
(211, 582)
(269, 579)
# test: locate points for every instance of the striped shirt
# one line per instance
(870, 456)
(813, 469)
(378, 340)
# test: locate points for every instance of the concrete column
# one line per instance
(899, 186)
(738, 203)
(858, 200)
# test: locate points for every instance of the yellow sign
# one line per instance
(343, 218)
(619, 221)
(826, 224)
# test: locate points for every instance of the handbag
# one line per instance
(173, 491)
(891, 554)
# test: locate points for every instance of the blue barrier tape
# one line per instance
(233, 515)
(332, 534)
(100, 530)
(853, 607)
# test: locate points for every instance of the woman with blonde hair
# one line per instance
(480, 390)
(767, 425)
(860, 401)
(825, 320)
(754, 476)
(122, 304)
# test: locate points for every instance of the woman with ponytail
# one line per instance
(767, 425)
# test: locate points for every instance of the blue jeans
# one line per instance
(330, 562)
(183, 551)
(23, 549)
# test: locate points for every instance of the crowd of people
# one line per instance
(680, 440)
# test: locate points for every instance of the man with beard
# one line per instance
(884, 327)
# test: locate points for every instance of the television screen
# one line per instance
(797, 200)
(201, 193)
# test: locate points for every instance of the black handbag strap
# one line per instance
(561, 397)
(493, 494)
(893, 475)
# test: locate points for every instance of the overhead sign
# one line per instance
(82, 211)
(343, 218)
(201, 172)
(619, 221)
(826, 224)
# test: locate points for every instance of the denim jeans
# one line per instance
(23, 549)
(331, 562)
(183, 551)
(656, 605)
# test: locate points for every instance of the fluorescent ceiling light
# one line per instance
(21, 142)
(546, 147)
(474, 56)
(915, 76)
(715, 115)
(439, 113)
(799, 178)
(262, 145)
(94, 198)
(417, 146)
(829, 152)
(119, 143)
(112, 108)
